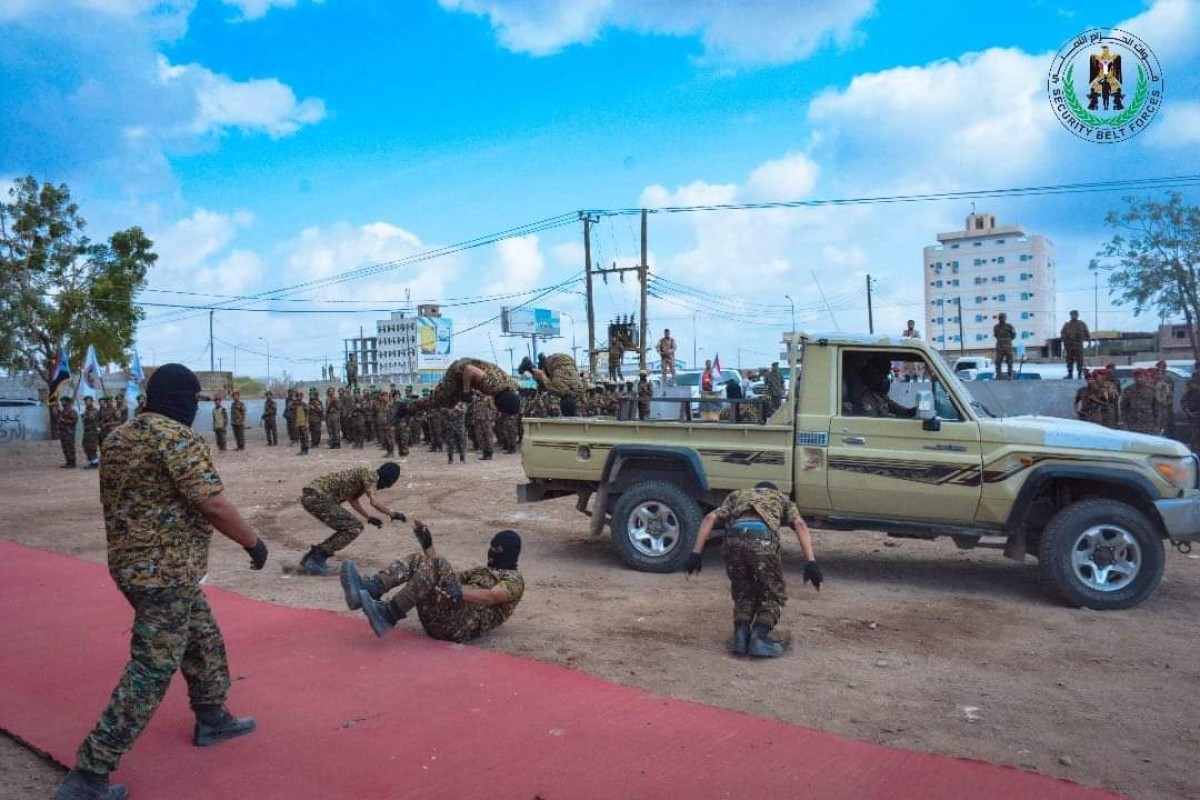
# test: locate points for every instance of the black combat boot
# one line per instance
(741, 638)
(214, 724)
(81, 785)
(761, 643)
(382, 616)
(353, 583)
(314, 562)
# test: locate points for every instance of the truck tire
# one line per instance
(1101, 554)
(654, 526)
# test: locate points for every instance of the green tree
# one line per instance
(59, 287)
(1153, 259)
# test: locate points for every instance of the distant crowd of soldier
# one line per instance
(98, 423)
(1143, 407)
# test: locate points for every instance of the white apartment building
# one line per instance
(399, 346)
(972, 275)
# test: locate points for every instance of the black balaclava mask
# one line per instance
(171, 391)
(504, 550)
(388, 474)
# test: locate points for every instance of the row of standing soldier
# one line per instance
(1144, 407)
(97, 424)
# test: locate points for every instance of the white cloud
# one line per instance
(519, 265)
(257, 9)
(190, 243)
(264, 105)
(762, 32)
(792, 177)
(1178, 126)
(237, 273)
(1168, 27)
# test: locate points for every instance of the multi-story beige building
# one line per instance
(972, 275)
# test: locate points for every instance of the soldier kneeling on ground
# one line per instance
(752, 519)
(452, 606)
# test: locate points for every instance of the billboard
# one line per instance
(435, 335)
(530, 321)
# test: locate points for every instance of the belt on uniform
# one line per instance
(750, 529)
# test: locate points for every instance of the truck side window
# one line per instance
(943, 403)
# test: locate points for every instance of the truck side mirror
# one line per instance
(927, 412)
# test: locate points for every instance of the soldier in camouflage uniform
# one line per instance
(383, 422)
(110, 419)
(368, 416)
(333, 419)
(454, 429)
(323, 499)
(1140, 404)
(237, 420)
(91, 433)
(1073, 334)
(316, 416)
(301, 421)
(398, 424)
(1092, 399)
(752, 519)
(355, 433)
(467, 376)
(162, 497)
(1005, 334)
(270, 426)
(558, 375)
(289, 416)
(452, 606)
(1166, 399)
(483, 416)
(508, 432)
(68, 421)
(773, 384)
(220, 422)
(645, 393)
(1190, 403)
(122, 410)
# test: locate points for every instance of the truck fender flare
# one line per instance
(1042, 475)
(628, 452)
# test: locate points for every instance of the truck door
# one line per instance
(883, 464)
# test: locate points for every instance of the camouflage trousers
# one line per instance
(756, 583)
(333, 426)
(507, 428)
(419, 577)
(482, 425)
(1003, 354)
(239, 436)
(68, 448)
(387, 437)
(455, 434)
(219, 435)
(314, 433)
(400, 432)
(1074, 354)
(91, 446)
(173, 630)
(302, 437)
(346, 526)
(271, 428)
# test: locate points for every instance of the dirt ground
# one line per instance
(912, 644)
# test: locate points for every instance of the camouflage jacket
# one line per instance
(770, 505)
(562, 376)
(155, 476)
(237, 413)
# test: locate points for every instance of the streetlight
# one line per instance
(574, 348)
(793, 305)
(264, 339)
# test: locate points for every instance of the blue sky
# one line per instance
(265, 143)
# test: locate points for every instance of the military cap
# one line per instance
(313, 390)
(66, 398)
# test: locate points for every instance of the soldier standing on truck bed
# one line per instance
(1074, 333)
(752, 519)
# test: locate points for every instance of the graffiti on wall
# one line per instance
(12, 427)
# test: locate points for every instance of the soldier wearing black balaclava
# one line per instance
(452, 606)
(162, 497)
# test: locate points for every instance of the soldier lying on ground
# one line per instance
(323, 499)
(452, 606)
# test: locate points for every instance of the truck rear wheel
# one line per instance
(654, 526)
(1101, 554)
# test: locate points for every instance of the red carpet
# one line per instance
(342, 714)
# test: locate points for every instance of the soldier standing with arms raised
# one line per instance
(162, 497)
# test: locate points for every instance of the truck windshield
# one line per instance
(964, 392)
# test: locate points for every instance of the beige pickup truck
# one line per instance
(1095, 506)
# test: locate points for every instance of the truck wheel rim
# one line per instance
(1106, 558)
(653, 529)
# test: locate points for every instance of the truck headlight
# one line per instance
(1179, 472)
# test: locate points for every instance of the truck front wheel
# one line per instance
(654, 526)
(1101, 554)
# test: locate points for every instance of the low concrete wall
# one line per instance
(23, 424)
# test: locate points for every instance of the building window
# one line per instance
(954, 247)
(977, 244)
(999, 259)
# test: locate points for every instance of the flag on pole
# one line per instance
(60, 372)
(716, 368)
(135, 369)
(90, 384)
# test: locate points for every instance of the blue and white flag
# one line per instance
(135, 369)
(90, 384)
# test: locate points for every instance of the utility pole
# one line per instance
(591, 309)
(870, 311)
(211, 355)
(643, 276)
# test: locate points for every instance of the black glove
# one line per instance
(398, 516)
(376, 521)
(467, 396)
(258, 554)
(424, 536)
(526, 366)
(452, 590)
(813, 573)
(695, 563)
